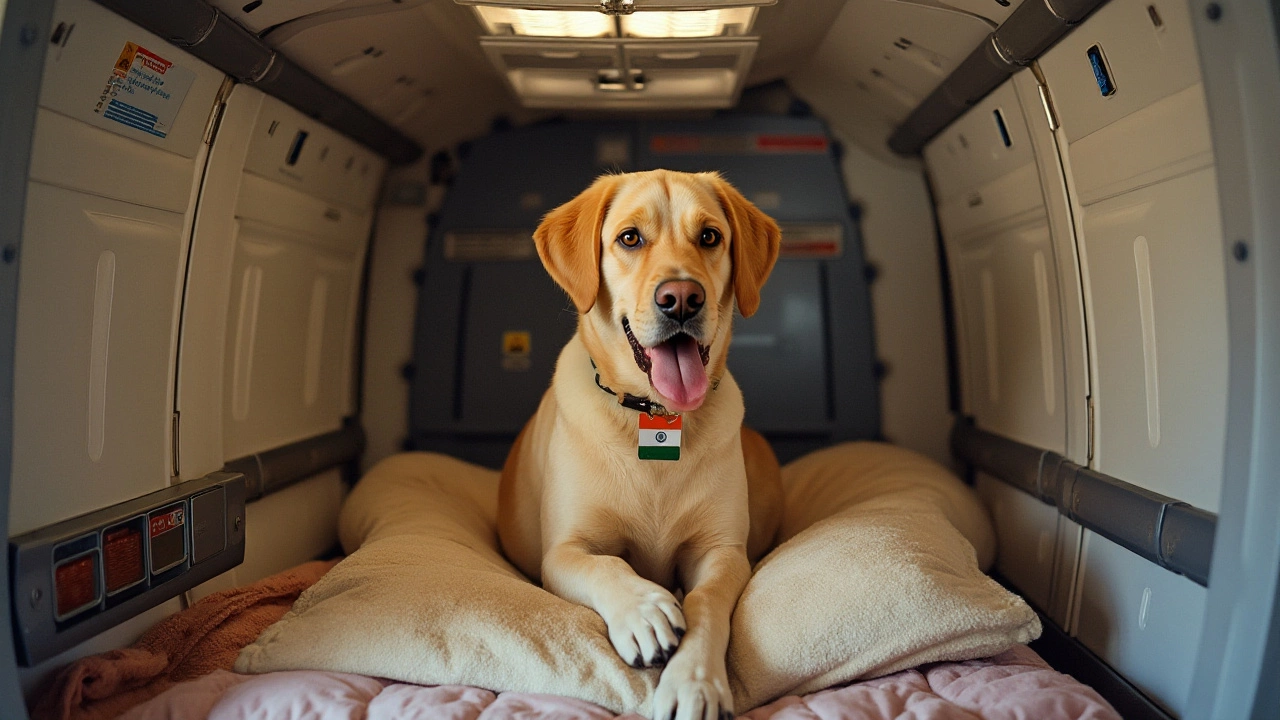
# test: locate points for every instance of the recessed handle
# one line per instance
(561, 54)
(679, 55)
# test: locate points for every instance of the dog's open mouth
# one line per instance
(677, 367)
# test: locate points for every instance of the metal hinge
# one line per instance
(173, 451)
(219, 107)
(1047, 103)
(1088, 430)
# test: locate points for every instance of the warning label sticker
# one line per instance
(144, 91)
(163, 523)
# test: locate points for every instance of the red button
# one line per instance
(122, 557)
(76, 584)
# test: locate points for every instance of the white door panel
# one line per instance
(1155, 259)
(287, 365)
(96, 324)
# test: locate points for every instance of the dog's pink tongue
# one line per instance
(678, 373)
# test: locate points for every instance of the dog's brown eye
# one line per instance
(710, 237)
(629, 237)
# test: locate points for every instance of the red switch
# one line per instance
(76, 584)
(122, 557)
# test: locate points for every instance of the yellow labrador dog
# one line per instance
(654, 263)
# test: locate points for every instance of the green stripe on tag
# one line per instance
(659, 452)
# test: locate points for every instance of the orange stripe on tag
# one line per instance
(660, 422)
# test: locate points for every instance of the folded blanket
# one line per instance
(1014, 685)
(206, 637)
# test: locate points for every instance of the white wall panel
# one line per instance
(1142, 619)
(1004, 211)
(1010, 301)
(1157, 284)
(1152, 267)
(208, 291)
(288, 362)
(96, 309)
(1148, 60)
(1004, 264)
(1151, 245)
(104, 254)
(1027, 537)
(268, 351)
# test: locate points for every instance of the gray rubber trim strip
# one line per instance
(223, 43)
(1166, 531)
(1030, 30)
(272, 470)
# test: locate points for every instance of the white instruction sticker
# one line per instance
(145, 91)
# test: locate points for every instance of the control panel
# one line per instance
(77, 578)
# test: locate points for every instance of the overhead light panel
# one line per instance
(641, 24)
(545, 23)
(689, 23)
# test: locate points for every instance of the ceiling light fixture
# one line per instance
(641, 24)
(689, 23)
(545, 23)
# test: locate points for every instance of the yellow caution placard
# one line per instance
(516, 348)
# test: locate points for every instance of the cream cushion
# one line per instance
(878, 572)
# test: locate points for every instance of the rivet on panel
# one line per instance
(1240, 251)
(28, 34)
(36, 596)
(10, 253)
(1213, 11)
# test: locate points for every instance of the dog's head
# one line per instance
(654, 262)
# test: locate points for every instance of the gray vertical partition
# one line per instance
(23, 39)
(1238, 668)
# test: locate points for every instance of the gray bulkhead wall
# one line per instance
(805, 361)
(24, 27)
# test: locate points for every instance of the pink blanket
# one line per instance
(1015, 685)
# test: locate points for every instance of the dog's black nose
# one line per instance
(680, 300)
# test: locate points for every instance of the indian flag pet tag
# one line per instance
(660, 437)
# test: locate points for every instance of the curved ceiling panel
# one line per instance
(419, 68)
(880, 59)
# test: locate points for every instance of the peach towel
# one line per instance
(205, 637)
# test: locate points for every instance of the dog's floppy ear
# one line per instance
(755, 242)
(568, 241)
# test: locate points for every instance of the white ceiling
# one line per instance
(418, 63)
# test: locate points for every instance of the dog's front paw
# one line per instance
(645, 628)
(693, 690)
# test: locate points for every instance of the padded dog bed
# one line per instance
(877, 570)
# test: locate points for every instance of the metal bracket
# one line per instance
(617, 7)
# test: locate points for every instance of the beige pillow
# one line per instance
(874, 577)
(877, 572)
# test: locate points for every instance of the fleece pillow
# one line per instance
(877, 572)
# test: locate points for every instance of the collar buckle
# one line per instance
(631, 402)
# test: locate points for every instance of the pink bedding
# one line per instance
(1015, 685)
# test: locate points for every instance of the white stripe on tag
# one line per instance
(660, 438)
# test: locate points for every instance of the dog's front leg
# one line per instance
(644, 619)
(695, 684)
